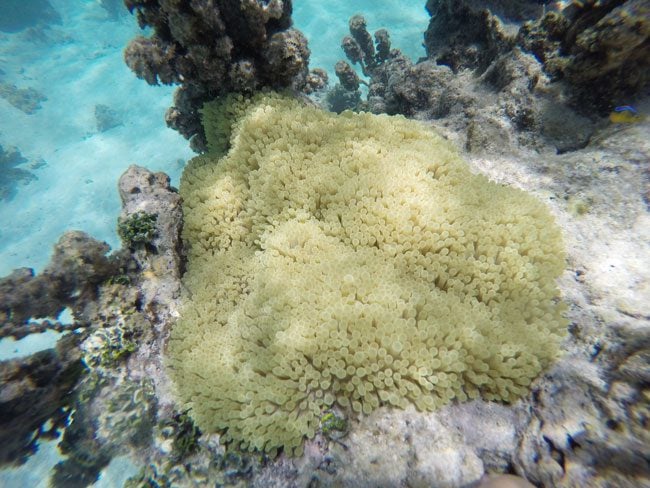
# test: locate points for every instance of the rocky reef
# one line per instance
(600, 49)
(118, 302)
(588, 410)
(215, 47)
(517, 99)
(500, 96)
(541, 84)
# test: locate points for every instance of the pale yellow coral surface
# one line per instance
(354, 260)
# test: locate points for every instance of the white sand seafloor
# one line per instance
(77, 65)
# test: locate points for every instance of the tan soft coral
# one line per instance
(353, 260)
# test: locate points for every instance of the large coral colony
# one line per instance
(316, 264)
(349, 271)
(353, 261)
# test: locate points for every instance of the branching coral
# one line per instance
(355, 261)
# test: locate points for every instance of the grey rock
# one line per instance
(161, 266)
(144, 191)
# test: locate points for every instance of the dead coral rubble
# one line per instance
(78, 265)
(106, 373)
(212, 47)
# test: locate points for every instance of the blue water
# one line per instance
(77, 65)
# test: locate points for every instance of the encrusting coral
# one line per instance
(353, 261)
